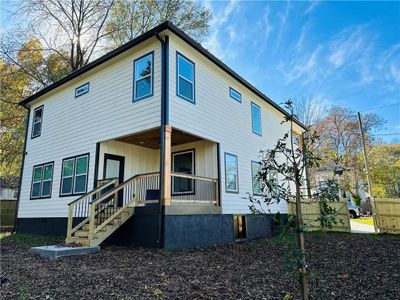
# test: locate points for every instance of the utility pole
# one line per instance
(367, 172)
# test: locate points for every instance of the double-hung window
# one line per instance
(42, 181)
(143, 77)
(37, 122)
(74, 175)
(231, 173)
(185, 78)
(235, 94)
(256, 180)
(256, 118)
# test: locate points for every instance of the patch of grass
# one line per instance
(30, 240)
(368, 221)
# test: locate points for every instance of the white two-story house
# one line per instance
(154, 144)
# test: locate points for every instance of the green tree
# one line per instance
(13, 85)
(28, 71)
(130, 18)
(384, 167)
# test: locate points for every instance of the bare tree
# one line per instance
(130, 18)
(73, 30)
(309, 110)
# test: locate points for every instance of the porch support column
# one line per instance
(166, 192)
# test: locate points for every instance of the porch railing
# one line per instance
(186, 188)
(79, 209)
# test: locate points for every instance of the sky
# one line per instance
(342, 53)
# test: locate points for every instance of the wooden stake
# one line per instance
(367, 172)
(167, 165)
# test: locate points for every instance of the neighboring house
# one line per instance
(160, 118)
(7, 191)
(333, 172)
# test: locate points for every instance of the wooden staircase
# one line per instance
(95, 216)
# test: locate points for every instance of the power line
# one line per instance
(392, 133)
(379, 107)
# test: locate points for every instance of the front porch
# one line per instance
(129, 179)
(193, 175)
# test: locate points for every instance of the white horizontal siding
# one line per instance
(138, 160)
(218, 117)
(74, 126)
(205, 157)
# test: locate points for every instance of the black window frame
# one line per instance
(41, 107)
(74, 158)
(193, 192)
(43, 165)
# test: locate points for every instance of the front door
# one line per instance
(114, 167)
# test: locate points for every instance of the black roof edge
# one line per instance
(97, 62)
(163, 26)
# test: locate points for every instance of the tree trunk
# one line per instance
(300, 242)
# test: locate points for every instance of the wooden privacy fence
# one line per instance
(311, 213)
(388, 215)
(7, 211)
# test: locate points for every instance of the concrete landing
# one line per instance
(53, 252)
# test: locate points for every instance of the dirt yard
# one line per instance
(341, 266)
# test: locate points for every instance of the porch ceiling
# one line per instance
(151, 138)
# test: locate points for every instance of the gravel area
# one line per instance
(341, 266)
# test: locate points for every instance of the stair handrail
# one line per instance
(72, 204)
(114, 191)
(92, 192)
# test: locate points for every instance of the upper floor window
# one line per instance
(82, 90)
(143, 77)
(235, 94)
(185, 78)
(231, 173)
(256, 180)
(37, 122)
(42, 181)
(74, 175)
(256, 118)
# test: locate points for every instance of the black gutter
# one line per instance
(163, 26)
(21, 172)
(163, 122)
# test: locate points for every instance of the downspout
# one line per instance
(21, 172)
(164, 121)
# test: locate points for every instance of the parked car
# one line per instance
(354, 211)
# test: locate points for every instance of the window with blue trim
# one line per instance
(143, 77)
(256, 118)
(185, 78)
(235, 94)
(231, 173)
(256, 180)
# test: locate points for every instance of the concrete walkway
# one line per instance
(361, 228)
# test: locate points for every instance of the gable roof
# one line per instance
(151, 33)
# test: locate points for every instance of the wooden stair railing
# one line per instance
(111, 209)
(78, 210)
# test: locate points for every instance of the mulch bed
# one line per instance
(341, 266)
